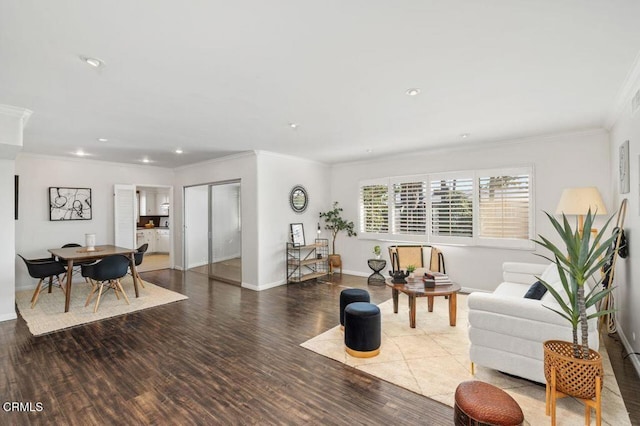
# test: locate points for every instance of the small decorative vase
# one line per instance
(90, 241)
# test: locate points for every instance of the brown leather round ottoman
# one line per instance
(479, 403)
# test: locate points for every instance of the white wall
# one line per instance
(7, 243)
(196, 225)
(627, 274)
(277, 175)
(242, 167)
(560, 161)
(35, 233)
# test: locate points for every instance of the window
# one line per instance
(410, 208)
(452, 207)
(485, 207)
(504, 205)
(374, 208)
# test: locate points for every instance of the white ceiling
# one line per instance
(219, 77)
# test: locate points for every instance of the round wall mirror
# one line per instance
(298, 199)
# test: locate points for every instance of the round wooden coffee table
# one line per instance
(416, 288)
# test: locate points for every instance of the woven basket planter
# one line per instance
(574, 376)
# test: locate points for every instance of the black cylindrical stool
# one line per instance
(479, 403)
(351, 295)
(362, 334)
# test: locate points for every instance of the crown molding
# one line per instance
(623, 100)
(226, 158)
(17, 112)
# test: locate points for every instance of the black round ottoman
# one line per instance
(362, 334)
(351, 295)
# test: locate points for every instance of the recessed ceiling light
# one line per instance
(146, 160)
(293, 125)
(465, 135)
(369, 151)
(413, 91)
(80, 153)
(94, 62)
(103, 140)
(178, 151)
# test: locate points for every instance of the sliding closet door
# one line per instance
(225, 229)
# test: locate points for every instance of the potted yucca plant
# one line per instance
(578, 262)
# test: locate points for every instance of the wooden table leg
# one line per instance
(394, 294)
(67, 291)
(453, 307)
(412, 310)
(430, 303)
(134, 273)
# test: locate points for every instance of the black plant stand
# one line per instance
(376, 266)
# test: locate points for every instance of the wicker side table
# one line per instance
(376, 266)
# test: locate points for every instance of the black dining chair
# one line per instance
(138, 257)
(106, 273)
(77, 264)
(42, 269)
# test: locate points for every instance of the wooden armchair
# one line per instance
(426, 257)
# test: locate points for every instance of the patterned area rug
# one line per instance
(48, 315)
(433, 358)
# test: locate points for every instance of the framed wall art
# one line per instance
(624, 167)
(297, 234)
(69, 203)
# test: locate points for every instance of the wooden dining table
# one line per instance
(73, 254)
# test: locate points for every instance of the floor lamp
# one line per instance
(578, 201)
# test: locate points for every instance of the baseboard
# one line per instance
(262, 287)
(635, 359)
(8, 317)
(356, 273)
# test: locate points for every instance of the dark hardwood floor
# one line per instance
(224, 356)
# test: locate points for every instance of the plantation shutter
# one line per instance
(410, 207)
(374, 207)
(505, 206)
(451, 206)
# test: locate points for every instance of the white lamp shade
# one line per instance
(90, 241)
(578, 201)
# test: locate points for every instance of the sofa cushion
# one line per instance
(536, 291)
(550, 275)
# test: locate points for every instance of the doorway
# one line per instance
(213, 230)
(153, 226)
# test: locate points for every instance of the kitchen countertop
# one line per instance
(139, 228)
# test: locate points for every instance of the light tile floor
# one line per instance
(433, 359)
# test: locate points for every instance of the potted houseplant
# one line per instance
(580, 261)
(336, 224)
(410, 269)
(377, 251)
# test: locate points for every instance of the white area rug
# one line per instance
(48, 315)
(433, 358)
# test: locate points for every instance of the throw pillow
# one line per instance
(536, 291)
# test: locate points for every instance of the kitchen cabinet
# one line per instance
(158, 239)
(162, 240)
(152, 202)
(146, 236)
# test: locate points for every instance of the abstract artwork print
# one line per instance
(69, 203)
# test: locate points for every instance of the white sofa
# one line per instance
(506, 330)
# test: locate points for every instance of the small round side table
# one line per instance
(376, 266)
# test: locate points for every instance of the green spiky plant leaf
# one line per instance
(579, 261)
